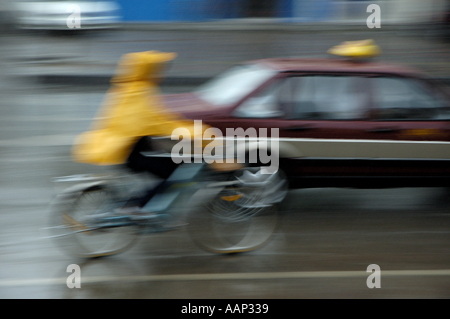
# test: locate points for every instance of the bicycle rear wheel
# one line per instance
(86, 225)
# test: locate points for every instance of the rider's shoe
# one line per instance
(163, 222)
(143, 217)
(127, 210)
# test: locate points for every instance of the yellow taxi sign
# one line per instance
(356, 49)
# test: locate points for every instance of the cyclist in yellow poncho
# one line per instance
(132, 109)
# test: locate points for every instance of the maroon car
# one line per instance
(341, 122)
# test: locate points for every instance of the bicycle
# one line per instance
(227, 212)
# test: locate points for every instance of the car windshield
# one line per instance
(234, 84)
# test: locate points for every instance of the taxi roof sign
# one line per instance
(356, 49)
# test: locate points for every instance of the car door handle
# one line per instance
(384, 130)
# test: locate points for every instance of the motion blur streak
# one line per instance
(53, 79)
(239, 276)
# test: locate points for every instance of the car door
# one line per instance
(326, 123)
(321, 120)
(410, 122)
(259, 113)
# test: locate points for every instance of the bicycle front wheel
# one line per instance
(230, 223)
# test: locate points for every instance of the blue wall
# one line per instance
(141, 10)
(190, 10)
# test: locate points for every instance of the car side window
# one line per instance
(406, 99)
(323, 97)
(265, 104)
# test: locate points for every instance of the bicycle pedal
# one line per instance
(163, 224)
(145, 217)
(113, 221)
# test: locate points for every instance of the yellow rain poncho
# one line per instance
(132, 109)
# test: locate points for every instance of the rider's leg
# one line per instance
(162, 167)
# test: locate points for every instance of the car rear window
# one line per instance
(398, 98)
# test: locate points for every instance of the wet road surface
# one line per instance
(326, 238)
(325, 241)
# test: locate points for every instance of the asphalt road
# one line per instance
(326, 239)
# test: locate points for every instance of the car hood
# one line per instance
(189, 105)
